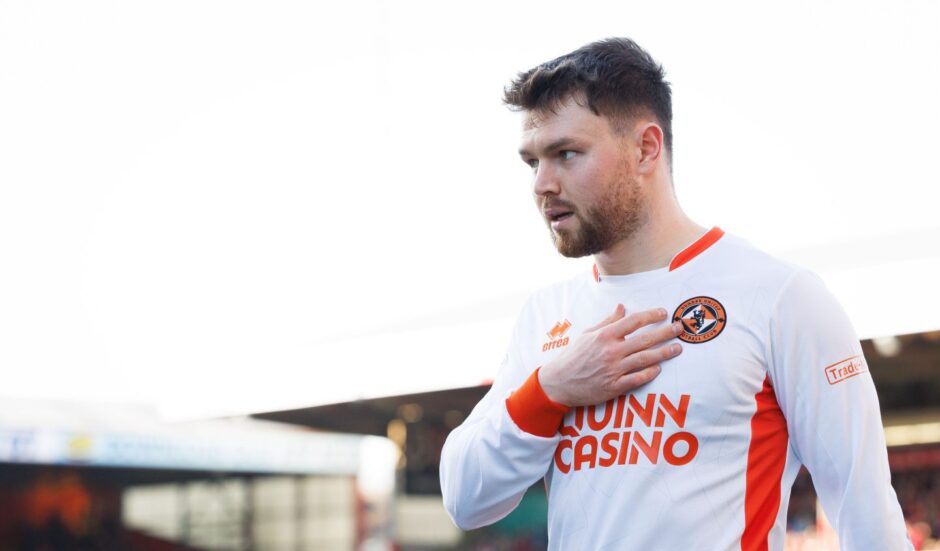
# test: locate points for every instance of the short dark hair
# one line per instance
(615, 77)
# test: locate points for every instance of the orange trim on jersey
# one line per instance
(696, 248)
(533, 411)
(766, 457)
(685, 254)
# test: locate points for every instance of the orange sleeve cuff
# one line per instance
(533, 411)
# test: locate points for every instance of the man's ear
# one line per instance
(649, 142)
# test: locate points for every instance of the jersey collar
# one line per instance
(686, 254)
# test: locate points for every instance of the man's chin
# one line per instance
(574, 253)
(569, 249)
(576, 244)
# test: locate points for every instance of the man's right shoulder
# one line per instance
(542, 328)
(546, 316)
(555, 297)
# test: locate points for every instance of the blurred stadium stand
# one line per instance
(80, 476)
(77, 476)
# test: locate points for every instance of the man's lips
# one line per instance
(556, 214)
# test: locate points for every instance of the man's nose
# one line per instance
(546, 181)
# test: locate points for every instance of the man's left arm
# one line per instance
(827, 395)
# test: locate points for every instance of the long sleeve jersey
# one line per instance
(771, 377)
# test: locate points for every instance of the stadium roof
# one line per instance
(46, 432)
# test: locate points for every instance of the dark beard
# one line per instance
(614, 218)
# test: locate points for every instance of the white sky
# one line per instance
(224, 207)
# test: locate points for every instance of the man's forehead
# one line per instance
(570, 122)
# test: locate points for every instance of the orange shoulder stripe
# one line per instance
(696, 248)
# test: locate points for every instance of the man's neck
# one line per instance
(652, 246)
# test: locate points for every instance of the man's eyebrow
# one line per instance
(553, 146)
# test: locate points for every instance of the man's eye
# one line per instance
(533, 163)
(567, 154)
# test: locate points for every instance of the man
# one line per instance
(644, 442)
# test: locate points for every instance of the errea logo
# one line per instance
(556, 336)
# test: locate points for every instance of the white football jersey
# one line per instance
(771, 376)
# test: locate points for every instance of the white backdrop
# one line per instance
(223, 207)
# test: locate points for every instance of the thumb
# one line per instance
(619, 312)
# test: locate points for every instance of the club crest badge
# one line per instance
(703, 319)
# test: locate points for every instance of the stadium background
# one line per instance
(256, 259)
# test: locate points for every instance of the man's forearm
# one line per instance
(487, 465)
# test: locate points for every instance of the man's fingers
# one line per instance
(634, 321)
(648, 339)
(630, 381)
(619, 312)
(654, 356)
